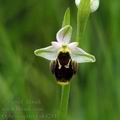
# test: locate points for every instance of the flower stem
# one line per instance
(64, 102)
(78, 25)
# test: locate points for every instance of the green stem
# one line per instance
(78, 25)
(64, 102)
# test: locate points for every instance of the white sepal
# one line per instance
(80, 56)
(64, 34)
(49, 52)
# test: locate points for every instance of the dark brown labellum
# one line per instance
(63, 68)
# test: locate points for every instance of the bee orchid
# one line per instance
(64, 56)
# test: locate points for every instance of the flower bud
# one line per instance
(94, 4)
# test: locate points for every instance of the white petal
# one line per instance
(72, 45)
(49, 53)
(94, 4)
(64, 34)
(56, 45)
(80, 56)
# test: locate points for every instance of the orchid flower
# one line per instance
(94, 4)
(64, 55)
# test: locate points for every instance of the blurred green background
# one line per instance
(28, 90)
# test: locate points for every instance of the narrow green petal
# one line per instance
(49, 53)
(66, 19)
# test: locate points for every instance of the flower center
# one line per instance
(64, 49)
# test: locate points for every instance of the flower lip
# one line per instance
(63, 72)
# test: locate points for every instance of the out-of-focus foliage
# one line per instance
(28, 90)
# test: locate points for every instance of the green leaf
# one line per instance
(82, 18)
(66, 19)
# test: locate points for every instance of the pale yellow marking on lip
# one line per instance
(63, 83)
